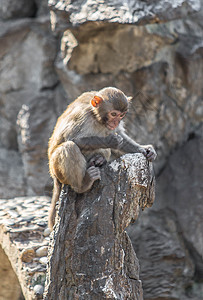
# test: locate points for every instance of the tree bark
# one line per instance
(91, 256)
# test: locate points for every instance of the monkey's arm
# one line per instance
(130, 146)
(94, 142)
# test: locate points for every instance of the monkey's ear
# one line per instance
(96, 101)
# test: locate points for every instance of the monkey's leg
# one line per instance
(70, 167)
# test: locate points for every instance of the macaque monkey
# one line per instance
(83, 138)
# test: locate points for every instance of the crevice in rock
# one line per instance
(197, 259)
(191, 136)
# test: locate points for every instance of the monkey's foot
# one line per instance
(93, 173)
(97, 161)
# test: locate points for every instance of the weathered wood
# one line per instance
(91, 256)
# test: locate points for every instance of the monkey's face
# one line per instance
(113, 119)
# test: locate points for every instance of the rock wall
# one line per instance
(30, 96)
(168, 238)
(152, 50)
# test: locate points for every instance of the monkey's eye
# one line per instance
(113, 114)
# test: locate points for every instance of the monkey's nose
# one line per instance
(116, 122)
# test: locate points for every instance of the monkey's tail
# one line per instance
(55, 198)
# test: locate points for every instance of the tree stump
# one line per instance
(91, 256)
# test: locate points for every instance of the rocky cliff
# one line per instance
(153, 51)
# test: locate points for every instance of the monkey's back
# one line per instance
(77, 121)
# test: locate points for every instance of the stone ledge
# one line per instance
(24, 237)
(64, 13)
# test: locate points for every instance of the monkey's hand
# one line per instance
(114, 141)
(97, 161)
(149, 152)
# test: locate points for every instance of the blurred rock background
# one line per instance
(153, 51)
